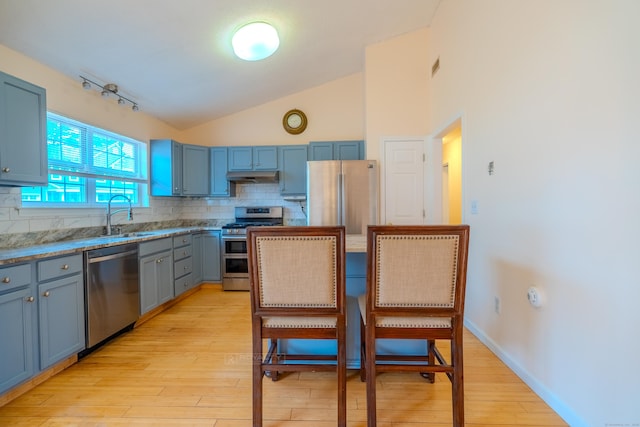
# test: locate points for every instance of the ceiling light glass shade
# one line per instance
(255, 41)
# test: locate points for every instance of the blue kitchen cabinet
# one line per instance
(60, 308)
(336, 150)
(16, 335)
(195, 170)
(253, 158)
(23, 133)
(293, 169)
(196, 255)
(179, 169)
(182, 263)
(156, 273)
(219, 161)
(211, 261)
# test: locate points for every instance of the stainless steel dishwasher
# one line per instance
(112, 294)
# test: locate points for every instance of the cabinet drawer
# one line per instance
(182, 284)
(181, 240)
(59, 267)
(182, 267)
(153, 246)
(14, 276)
(181, 253)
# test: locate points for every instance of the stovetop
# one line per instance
(250, 216)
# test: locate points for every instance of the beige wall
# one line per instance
(335, 111)
(548, 90)
(397, 79)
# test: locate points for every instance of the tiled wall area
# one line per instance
(169, 211)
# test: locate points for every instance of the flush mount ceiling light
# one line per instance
(107, 90)
(255, 41)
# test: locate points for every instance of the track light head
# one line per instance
(109, 89)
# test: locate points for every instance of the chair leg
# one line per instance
(257, 375)
(363, 348)
(431, 360)
(342, 377)
(371, 377)
(457, 381)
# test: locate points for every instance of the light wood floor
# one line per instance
(191, 366)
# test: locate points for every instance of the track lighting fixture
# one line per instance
(107, 90)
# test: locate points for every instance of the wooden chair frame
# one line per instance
(273, 362)
(424, 364)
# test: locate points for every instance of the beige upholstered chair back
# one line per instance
(416, 270)
(297, 271)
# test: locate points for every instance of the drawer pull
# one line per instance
(65, 267)
(6, 279)
(29, 299)
(46, 294)
(6, 170)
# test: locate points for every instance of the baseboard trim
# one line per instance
(550, 398)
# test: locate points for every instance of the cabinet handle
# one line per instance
(6, 170)
(65, 267)
(29, 299)
(185, 268)
(159, 260)
(184, 253)
(46, 294)
(6, 279)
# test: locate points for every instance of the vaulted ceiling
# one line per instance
(175, 58)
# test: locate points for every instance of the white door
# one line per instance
(403, 181)
(411, 188)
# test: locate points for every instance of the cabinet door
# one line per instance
(293, 170)
(176, 168)
(16, 336)
(240, 158)
(219, 185)
(164, 274)
(61, 319)
(348, 150)
(23, 132)
(156, 280)
(195, 170)
(211, 271)
(196, 255)
(321, 151)
(265, 158)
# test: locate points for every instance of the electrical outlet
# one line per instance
(534, 296)
(497, 304)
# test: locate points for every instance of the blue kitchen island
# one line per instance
(356, 276)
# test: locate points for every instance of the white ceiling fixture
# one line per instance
(255, 41)
(176, 59)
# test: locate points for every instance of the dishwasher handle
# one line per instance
(112, 256)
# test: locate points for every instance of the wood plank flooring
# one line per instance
(191, 366)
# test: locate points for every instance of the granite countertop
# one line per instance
(355, 243)
(12, 256)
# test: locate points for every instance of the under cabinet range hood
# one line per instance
(253, 176)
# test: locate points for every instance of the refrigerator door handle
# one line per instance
(342, 217)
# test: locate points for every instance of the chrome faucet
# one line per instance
(110, 214)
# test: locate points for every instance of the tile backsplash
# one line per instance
(14, 219)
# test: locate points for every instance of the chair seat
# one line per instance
(299, 322)
(403, 322)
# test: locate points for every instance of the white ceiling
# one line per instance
(175, 58)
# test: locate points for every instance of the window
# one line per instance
(88, 165)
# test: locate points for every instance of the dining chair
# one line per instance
(416, 279)
(297, 287)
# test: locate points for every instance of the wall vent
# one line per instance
(435, 67)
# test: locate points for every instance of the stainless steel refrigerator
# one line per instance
(343, 192)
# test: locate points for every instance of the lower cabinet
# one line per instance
(41, 316)
(196, 255)
(16, 336)
(156, 273)
(182, 263)
(211, 269)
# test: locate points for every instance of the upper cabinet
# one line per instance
(23, 133)
(253, 158)
(219, 185)
(293, 169)
(179, 169)
(336, 150)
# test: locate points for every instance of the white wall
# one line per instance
(548, 90)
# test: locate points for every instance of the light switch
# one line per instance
(474, 207)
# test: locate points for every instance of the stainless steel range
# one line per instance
(235, 266)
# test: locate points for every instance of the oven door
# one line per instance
(235, 265)
(234, 246)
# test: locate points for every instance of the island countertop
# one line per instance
(356, 243)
